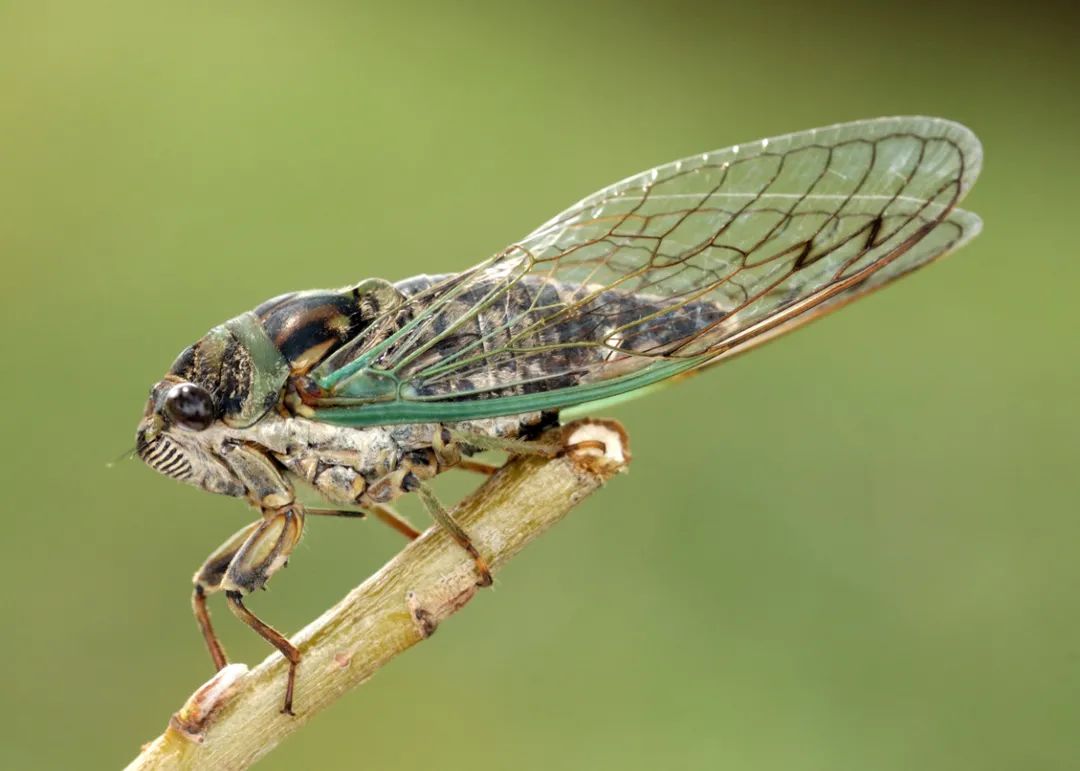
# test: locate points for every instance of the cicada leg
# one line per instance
(388, 516)
(457, 532)
(272, 636)
(477, 467)
(208, 580)
(384, 514)
(447, 446)
(550, 445)
(536, 447)
(408, 479)
(244, 563)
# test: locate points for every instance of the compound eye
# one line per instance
(190, 406)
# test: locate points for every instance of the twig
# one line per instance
(233, 720)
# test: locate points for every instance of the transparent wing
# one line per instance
(665, 272)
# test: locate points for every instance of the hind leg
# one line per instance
(446, 521)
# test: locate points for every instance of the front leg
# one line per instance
(241, 565)
(265, 551)
(208, 580)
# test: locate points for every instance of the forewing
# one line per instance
(950, 234)
(675, 268)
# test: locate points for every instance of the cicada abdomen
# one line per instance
(531, 339)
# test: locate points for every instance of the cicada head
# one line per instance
(172, 437)
(227, 380)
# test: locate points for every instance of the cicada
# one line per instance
(367, 392)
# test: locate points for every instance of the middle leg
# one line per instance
(381, 512)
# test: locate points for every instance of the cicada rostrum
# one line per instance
(367, 392)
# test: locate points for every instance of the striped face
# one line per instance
(171, 438)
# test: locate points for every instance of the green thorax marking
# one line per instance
(269, 369)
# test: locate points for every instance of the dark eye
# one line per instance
(190, 406)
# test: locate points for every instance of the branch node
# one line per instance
(425, 620)
(190, 721)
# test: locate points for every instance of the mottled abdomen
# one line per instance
(538, 335)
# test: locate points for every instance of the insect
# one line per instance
(367, 392)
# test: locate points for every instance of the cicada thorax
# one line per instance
(247, 362)
(306, 326)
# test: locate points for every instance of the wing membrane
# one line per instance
(665, 272)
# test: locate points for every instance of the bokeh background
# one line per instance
(855, 549)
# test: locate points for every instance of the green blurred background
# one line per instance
(854, 550)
